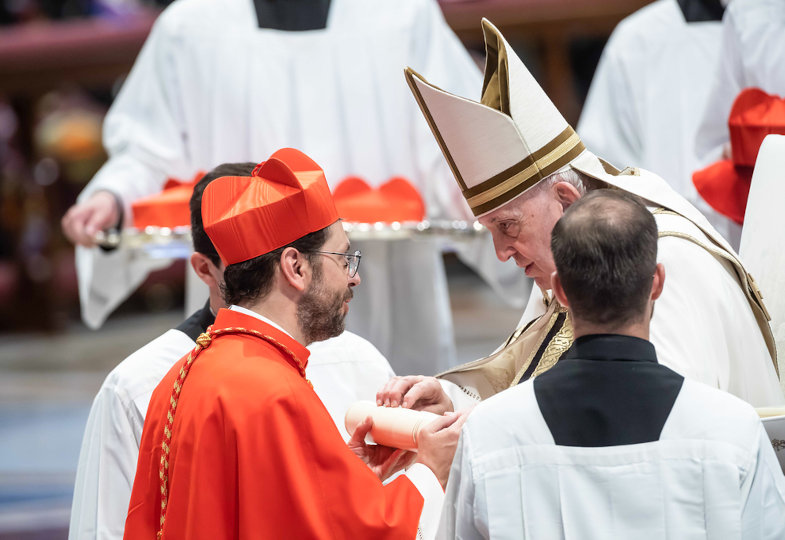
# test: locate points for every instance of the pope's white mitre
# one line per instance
(515, 137)
(510, 140)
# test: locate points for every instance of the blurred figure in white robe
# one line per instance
(649, 92)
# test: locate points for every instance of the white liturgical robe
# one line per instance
(648, 95)
(639, 452)
(751, 55)
(343, 370)
(210, 86)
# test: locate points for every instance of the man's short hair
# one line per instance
(248, 281)
(605, 250)
(202, 243)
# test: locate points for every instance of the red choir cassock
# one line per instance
(253, 452)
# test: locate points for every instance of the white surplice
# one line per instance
(751, 55)
(210, 87)
(648, 95)
(712, 474)
(342, 370)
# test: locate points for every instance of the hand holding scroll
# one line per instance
(382, 460)
(415, 392)
(438, 441)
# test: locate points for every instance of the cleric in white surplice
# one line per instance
(610, 444)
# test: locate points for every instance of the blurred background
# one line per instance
(61, 63)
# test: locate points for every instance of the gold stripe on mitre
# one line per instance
(495, 84)
(511, 182)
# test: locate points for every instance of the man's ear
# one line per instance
(295, 268)
(558, 291)
(658, 282)
(566, 194)
(206, 269)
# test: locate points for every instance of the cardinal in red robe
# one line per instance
(236, 444)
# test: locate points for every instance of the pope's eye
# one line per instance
(509, 228)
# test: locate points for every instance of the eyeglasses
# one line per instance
(352, 260)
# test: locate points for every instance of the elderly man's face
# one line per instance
(522, 230)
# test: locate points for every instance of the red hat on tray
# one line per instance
(168, 208)
(395, 200)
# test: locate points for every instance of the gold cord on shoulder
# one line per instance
(202, 342)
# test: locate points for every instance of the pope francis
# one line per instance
(520, 165)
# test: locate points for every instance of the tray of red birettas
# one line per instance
(392, 211)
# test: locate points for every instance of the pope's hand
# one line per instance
(83, 220)
(415, 392)
(437, 441)
(383, 460)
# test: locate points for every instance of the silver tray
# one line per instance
(165, 242)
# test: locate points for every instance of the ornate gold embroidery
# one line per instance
(556, 348)
(559, 335)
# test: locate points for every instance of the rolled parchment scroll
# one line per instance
(392, 426)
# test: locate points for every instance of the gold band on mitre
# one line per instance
(508, 184)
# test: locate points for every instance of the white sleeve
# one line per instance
(609, 123)
(426, 483)
(763, 515)
(106, 469)
(460, 399)
(144, 129)
(728, 82)
(458, 513)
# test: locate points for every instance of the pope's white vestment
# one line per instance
(343, 370)
(648, 95)
(211, 87)
(706, 470)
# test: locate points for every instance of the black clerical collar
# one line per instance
(197, 322)
(612, 347)
(588, 402)
(701, 10)
(292, 15)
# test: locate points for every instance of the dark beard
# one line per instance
(320, 315)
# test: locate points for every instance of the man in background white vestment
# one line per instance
(609, 443)
(752, 53)
(343, 370)
(649, 91)
(224, 82)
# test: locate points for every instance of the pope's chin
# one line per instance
(543, 283)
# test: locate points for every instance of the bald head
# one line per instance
(605, 251)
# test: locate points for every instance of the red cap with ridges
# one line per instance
(286, 198)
